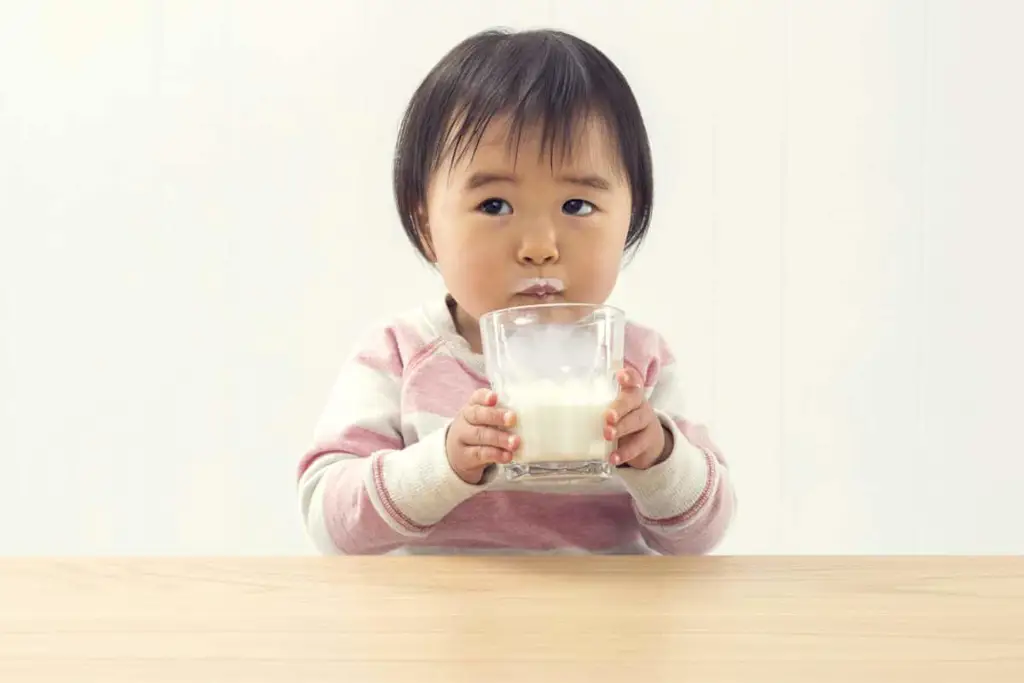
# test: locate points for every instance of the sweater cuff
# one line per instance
(672, 489)
(415, 488)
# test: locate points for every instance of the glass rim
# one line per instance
(490, 315)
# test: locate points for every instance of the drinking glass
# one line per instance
(554, 365)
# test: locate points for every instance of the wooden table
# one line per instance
(496, 619)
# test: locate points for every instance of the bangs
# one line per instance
(545, 87)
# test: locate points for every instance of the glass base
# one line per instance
(585, 470)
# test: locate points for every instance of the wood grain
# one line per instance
(512, 619)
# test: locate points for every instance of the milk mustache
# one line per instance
(560, 421)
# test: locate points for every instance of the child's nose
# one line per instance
(538, 250)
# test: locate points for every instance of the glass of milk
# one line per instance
(555, 365)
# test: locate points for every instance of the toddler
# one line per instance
(523, 174)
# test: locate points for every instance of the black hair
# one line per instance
(538, 77)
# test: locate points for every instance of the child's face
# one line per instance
(501, 218)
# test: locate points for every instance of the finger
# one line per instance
(631, 394)
(632, 422)
(489, 436)
(483, 397)
(481, 415)
(629, 378)
(487, 455)
(631, 447)
(626, 402)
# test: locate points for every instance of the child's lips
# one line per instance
(541, 294)
(539, 291)
(540, 288)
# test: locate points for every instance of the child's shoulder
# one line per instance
(641, 339)
(397, 341)
(646, 350)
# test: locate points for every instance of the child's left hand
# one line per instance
(643, 440)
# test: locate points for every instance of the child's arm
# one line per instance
(362, 490)
(685, 503)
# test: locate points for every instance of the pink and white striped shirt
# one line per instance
(377, 478)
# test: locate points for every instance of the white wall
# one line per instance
(195, 221)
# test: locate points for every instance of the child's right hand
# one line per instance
(479, 437)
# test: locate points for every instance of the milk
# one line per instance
(560, 421)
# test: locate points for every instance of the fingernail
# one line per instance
(613, 417)
(611, 434)
(614, 459)
(511, 442)
(510, 418)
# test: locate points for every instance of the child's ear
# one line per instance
(423, 228)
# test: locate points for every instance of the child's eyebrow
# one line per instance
(481, 178)
(594, 182)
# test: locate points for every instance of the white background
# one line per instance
(196, 222)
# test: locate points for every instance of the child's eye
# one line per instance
(495, 207)
(578, 207)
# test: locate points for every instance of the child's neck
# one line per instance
(466, 326)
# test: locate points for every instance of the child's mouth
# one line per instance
(541, 289)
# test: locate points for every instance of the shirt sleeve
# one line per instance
(361, 489)
(684, 504)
